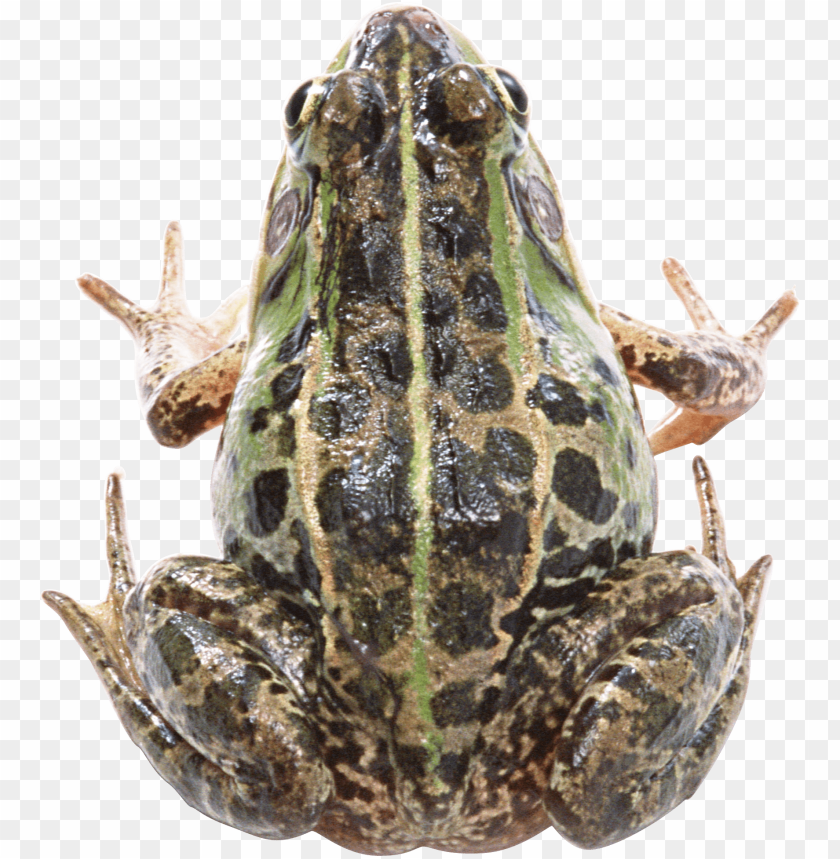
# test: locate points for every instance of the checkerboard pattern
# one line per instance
(687, 129)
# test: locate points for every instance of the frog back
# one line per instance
(433, 442)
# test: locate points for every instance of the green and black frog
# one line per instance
(438, 620)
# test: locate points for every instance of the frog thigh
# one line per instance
(186, 368)
(188, 626)
(651, 720)
(710, 376)
(217, 719)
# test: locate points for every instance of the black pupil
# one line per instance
(296, 103)
(517, 95)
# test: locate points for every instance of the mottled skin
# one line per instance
(437, 622)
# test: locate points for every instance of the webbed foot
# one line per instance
(653, 717)
(186, 368)
(710, 376)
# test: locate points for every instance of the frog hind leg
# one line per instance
(186, 368)
(216, 718)
(653, 717)
(710, 376)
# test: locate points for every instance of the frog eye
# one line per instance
(514, 89)
(294, 106)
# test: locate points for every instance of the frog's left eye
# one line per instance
(294, 107)
(514, 89)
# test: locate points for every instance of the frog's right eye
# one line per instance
(295, 105)
(514, 89)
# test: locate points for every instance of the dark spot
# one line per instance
(488, 707)
(454, 704)
(295, 341)
(193, 418)
(559, 400)
(176, 650)
(462, 487)
(543, 206)
(483, 303)
(442, 353)
(285, 386)
(567, 564)
(347, 752)
(284, 438)
(299, 613)
(576, 481)
(598, 412)
(458, 234)
(368, 691)
(347, 789)
(370, 267)
(259, 419)
(307, 570)
(510, 455)
(483, 385)
(440, 309)
(340, 410)
(328, 499)
(453, 768)
(266, 500)
(625, 551)
(460, 618)
(472, 514)
(369, 504)
(265, 574)
(686, 375)
(603, 369)
(388, 361)
(554, 537)
(601, 553)
(275, 285)
(411, 760)
(380, 621)
(284, 219)
(628, 356)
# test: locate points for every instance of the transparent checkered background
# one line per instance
(692, 130)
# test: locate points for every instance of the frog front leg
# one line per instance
(186, 368)
(710, 376)
(208, 676)
(660, 652)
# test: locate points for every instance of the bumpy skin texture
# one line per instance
(437, 621)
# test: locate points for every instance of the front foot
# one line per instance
(652, 718)
(710, 376)
(186, 369)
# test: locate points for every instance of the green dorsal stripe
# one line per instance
(418, 396)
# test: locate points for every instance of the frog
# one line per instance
(438, 619)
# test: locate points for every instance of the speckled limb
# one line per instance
(186, 368)
(710, 376)
(250, 760)
(652, 718)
